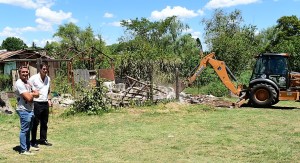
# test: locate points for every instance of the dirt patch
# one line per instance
(210, 100)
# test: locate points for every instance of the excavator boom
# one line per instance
(220, 68)
(223, 72)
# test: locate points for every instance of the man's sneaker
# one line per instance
(35, 145)
(28, 153)
(45, 142)
(34, 148)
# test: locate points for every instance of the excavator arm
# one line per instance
(223, 72)
(220, 68)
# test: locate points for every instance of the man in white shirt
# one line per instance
(41, 82)
(25, 95)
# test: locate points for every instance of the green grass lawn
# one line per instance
(165, 133)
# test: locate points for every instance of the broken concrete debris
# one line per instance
(138, 92)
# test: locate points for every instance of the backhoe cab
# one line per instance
(271, 80)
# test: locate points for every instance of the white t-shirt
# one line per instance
(40, 85)
(21, 87)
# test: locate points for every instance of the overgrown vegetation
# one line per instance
(5, 82)
(92, 101)
(61, 83)
(13, 43)
(209, 83)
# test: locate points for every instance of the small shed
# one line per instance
(11, 60)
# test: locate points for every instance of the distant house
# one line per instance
(11, 60)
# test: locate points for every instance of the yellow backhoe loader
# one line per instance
(271, 80)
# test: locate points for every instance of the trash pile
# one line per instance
(5, 106)
(138, 92)
(63, 100)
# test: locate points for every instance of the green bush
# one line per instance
(91, 101)
(61, 84)
(244, 78)
(5, 82)
(216, 87)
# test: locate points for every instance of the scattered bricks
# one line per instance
(120, 87)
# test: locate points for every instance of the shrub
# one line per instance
(5, 82)
(244, 78)
(216, 87)
(61, 84)
(91, 101)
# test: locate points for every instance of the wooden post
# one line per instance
(177, 84)
(38, 64)
(151, 83)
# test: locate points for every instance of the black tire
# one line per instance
(263, 95)
(276, 101)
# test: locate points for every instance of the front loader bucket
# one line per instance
(242, 100)
(180, 86)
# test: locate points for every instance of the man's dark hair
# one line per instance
(23, 66)
(43, 64)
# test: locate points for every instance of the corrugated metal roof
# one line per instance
(7, 54)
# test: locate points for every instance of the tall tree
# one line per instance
(149, 47)
(265, 38)
(53, 49)
(80, 45)
(232, 41)
(288, 39)
(13, 43)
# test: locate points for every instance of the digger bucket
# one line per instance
(180, 86)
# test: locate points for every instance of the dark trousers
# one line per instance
(41, 113)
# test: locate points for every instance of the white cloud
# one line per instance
(8, 32)
(200, 12)
(15, 32)
(115, 24)
(178, 11)
(30, 4)
(43, 25)
(27, 29)
(73, 20)
(45, 18)
(41, 43)
(195, 34)
(108, 15)
(52, 16)
(213, 4)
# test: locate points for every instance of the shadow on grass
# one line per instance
(284, 107)
(246, 105)
(17, 148)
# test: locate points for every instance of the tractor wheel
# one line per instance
(276, 101)
(263, 95)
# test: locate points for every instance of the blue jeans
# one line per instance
(26, 121)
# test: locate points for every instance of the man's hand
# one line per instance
(50, 103)
(35, 93)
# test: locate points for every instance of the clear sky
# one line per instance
(37, 20)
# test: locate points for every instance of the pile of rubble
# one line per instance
(64, 100)
(122, 96)
(5, 106)
(208, 99)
